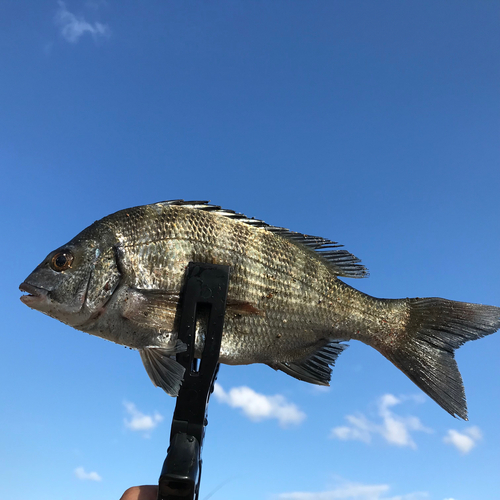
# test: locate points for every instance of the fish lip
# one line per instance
(35, 295)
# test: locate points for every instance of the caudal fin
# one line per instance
(436, 327)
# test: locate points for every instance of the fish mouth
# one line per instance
(35, 295)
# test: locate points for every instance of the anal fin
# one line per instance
(316, 368)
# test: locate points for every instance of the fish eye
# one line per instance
(61, 260)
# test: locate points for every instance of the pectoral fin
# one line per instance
(163, 370)
(151, 308)
(243, 308)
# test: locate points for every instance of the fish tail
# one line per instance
(425, 352)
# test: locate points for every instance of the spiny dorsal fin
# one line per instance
(344, 263)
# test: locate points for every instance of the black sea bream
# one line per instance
(120, 279)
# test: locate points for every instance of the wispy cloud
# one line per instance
(352, 491)
(395, 429)
(319, 389)
(80, 473)
(73, 27)
(95, 4)
(139, 421)
(259, 407)
(464, 441)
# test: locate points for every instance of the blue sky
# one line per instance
(371, 123)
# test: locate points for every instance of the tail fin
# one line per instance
(436, 327)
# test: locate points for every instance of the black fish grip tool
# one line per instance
(205, 292)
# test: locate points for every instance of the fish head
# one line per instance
(74, 282)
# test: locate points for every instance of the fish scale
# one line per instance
(254, 255)
(121, 279)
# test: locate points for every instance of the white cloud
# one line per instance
(360, 429)
(80, 473)
(259, 407)
(352, 491)
(139, 421)
(73, 27)
(464, 441)
(395, 429)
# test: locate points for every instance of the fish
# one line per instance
(288, 305)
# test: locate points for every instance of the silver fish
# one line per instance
(121, 278)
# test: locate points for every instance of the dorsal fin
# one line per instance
(344, 263)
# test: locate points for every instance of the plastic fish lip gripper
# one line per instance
(204, 294)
